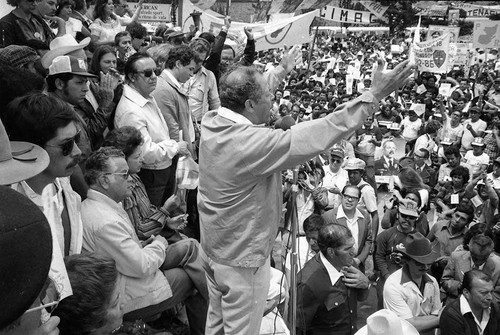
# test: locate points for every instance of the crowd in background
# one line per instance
(115, 113)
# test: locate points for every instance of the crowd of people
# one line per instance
(291, 156)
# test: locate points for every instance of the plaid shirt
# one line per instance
(491, 148)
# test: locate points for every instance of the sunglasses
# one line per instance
(68, 145)
(407, 217)
(350, 198)
(336, 160)
(149, 72)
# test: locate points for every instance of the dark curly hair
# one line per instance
(127, 139)
(182, 53)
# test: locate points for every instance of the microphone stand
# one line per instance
(293, 256)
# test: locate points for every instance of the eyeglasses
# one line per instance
(149, 72)
(49, 296)
(350, 198)
(125, 175)
(68, 145)
(336, 160)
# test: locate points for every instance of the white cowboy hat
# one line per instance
(61, 46)
(20, 160)
(385, 322)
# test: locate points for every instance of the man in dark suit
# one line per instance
(387, 165)
(329, 286)
(428, 174)
(356, 219)
(474, 309)
(479, 256)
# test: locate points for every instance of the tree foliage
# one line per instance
(400, 14)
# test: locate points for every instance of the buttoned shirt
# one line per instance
(480, 324)
(143, 114)
(202, 93)
(337, 179)
(447, 240)
(352, 224)
(403, 297)
(240, 192)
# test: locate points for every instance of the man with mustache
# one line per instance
(51, 123)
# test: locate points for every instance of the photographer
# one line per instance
(387, 259)
(391, 211)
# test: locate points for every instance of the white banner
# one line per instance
(375, 8)
(433, 55)
(463, 53)
(486, 34)
(475, 11)
(271, 35)
(337, 14)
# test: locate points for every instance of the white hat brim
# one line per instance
(51, 54)
(408, 329)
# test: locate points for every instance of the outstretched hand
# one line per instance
(291, 58)
(386, 81)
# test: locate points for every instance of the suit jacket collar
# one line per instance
(169, 78)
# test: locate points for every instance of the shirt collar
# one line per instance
(405, 277)
(341, 213)
(170, 76)
(235, 117)
(332, 272)
(465, 308)
(133, 95)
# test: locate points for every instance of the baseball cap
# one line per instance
(337, 151)
(69, 64)
(478, 142)
(446, 141)
(408, 207)
(18, 55)
(355, 164)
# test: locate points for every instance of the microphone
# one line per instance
(285, 123)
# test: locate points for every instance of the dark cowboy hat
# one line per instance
(417, 247)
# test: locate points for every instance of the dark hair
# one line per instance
(354, 187)
(51, 80)
(411, 179)
(333, 236)
(199, 45)
(120, 35)
(130, 65)
(452, 150)
(99, 52)
(15, 82)
(469, 277)
(98, 162)
(238, 86)
(208, 37)
(477, 229)
(36, 117)
(13, 3)
(461, 171)
(313, 223)
(93, 280)
(64, 3)
(79, 5)
(467, 209)
(127, 139)
(136, 30)
(180, 53)
(432, 127)
(99, 10)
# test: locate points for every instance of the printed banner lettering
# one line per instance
(375, 8)
(433, 55)
(337, 14)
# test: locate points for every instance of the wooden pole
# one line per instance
(312, 47)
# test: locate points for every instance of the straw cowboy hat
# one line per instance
(20, 160)
(386, 322)
(61, 46)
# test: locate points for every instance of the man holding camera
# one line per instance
(387, 258)
(410, 292)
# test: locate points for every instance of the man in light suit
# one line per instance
(356, 219)
(171, 98)
(479, 256)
